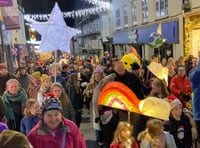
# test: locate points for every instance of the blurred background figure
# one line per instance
(75, 95)
(4, 77)
(23, 77)
(194, 76)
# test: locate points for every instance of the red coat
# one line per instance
(119, 145)
(180, 85)
(39, 138)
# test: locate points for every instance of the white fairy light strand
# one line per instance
(101, 7)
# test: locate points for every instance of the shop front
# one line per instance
(192, 34)
(140, 36)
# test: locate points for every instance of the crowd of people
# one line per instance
(44, 106)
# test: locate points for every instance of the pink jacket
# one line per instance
(41, 138)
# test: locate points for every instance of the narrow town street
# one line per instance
(88, 130)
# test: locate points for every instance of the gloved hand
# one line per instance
(97, 120)
(186, 97)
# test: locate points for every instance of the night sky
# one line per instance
(45, 7)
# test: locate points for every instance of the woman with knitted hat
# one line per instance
(54, 130)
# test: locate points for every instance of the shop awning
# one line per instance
(169, 32)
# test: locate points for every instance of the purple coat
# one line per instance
(3, 126)
(40, 138)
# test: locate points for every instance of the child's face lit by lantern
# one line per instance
(125, 133)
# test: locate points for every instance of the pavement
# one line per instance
(88, 130)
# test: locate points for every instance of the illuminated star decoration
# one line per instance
(55, 33)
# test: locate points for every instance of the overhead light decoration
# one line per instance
(100, 7)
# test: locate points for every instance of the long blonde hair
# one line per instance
(162, 85)
(118, 138)
(152, 127)
(29, 104)
(63, 98)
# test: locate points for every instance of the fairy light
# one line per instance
(100, 7)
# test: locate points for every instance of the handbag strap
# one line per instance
(64, 139)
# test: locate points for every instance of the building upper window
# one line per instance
(117, 19)
(145, 14)
(161, 8)
(125, 11)
(133, 11)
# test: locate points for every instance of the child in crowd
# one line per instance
(34, 85)
(179, 125)
(44, 88)
(31, 112)
(122, 137)
(154, 136)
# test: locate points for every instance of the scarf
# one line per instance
(21, 96)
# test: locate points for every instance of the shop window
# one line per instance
(125, 11)
(117, 19)
(134, 12)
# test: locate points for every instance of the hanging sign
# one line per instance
(11, 16)
(5, 3)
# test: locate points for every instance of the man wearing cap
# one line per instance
(54, 130)
(4, 77)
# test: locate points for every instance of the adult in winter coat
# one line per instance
(194, 76)
(180, 86)
(14, 99)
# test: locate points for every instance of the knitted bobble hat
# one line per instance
(51, 103)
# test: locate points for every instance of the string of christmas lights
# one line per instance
(100, 7)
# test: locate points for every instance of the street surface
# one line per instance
(88, 130)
